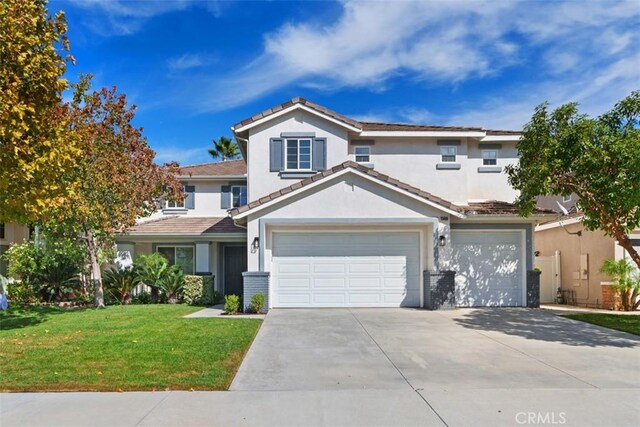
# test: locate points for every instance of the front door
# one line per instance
(235, 263)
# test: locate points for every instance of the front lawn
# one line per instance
(620, 322)
(141, 347)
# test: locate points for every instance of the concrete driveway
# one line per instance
(384, 367)
(462, 367)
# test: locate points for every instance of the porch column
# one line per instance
(202, 257)
(442, 254)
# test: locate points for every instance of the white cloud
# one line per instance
(436, 41)
(173, 153)
(122, 17)
(187, 61)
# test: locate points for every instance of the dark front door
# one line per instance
(235, 263)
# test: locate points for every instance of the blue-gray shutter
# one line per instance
(160, 203)
(276, 154)
(225, 197)
(319, 154)
(190, 201)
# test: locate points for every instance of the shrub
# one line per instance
(120, 283)
(152, 270)
(626, 280)
(22, 292)
(141, 298)
(52, 268)
(257, 302)
(198, 290)
(172, 283)
(232, 304)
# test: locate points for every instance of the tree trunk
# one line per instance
(96, 274)
(625, 242)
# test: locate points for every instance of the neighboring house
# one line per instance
(570, 258)
(11, 233)
(345, 213)
(197, 234)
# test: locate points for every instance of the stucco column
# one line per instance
(202, 257)
(442, 254)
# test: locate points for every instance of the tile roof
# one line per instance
(227, 168)
(374, 126)
(366, 126)
(346, 165)
(175, 224)
(496, 207)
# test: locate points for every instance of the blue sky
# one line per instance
(194, 68)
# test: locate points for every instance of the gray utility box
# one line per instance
(439, 290)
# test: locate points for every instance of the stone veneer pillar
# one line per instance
(255, 282)
(439, 290)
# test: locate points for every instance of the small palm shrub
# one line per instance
(172, 284)
(626, 280)
(120, 283)
(152, 270)
(257, 302)
(232, 304)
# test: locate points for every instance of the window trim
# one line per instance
(356, 155)
(566, 199)
(442, 154)
(489, 158)
(286, 154)
(239, 196)
(174, 246)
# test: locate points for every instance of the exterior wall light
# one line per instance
(255, 244)
(442, 240)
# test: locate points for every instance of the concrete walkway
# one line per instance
(218, 311)
(389, 367)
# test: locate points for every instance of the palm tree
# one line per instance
(225, 148)
(626, 279)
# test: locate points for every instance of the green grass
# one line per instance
(142, 347)
(620, 322)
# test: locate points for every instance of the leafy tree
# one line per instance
(224, 148)
(119, 180)
(598, 159)
(626, 279)
(34, 150)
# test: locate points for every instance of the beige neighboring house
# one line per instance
(570, 258)
(11, 233)
(197, 234)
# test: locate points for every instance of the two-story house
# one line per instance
(344, 213)
(197, 233)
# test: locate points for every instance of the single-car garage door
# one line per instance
(336, 269)
(489, 267)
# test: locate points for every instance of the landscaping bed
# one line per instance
(619, 322)
(120, 348)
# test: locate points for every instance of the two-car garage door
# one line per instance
(346, 269)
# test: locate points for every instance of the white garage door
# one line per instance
(346, 270)
(489, 266)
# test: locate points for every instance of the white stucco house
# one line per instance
(335, 212)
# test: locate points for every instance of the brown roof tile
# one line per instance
(367, 126)
(496, 207)
(346, 165)
(226, 168)
(171, 225)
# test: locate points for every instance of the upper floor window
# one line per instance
(175, 204)
(298, 152)
(566, 199)
(489, 157)
(363, 154)
(187, 203)
(448, 153)
(239, 195)
(1, 230)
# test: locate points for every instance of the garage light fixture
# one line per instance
(442, 240)
(255, 244)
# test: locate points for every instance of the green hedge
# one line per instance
(199, 290)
